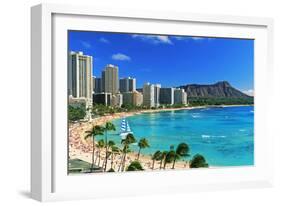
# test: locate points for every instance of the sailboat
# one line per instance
(125, 128)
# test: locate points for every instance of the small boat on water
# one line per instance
(125, 128)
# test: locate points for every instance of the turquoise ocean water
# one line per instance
(225, 136)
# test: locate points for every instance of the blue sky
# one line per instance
(170, 60)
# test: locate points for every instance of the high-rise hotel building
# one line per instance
(180, 96)
(148, 95)
(157, 88)
(111, 80)
(80, 76)
(127, 84)
(167, 96)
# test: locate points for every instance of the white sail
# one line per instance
(125, 128)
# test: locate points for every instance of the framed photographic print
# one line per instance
(154, 102)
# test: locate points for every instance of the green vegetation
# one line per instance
(114, 151)
(156, 157)
(100, 145)
(163, 158)
(76, 113)
(181, 151)
(130, 139)
(202, 101)
(135, 166)
(198, 161)
(108, 127)
(96, 130)
(143, 143)
(101, 110)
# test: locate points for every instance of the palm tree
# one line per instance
(130, 139)
(110, 144)
(170, 156)
(155, 157)
(108, 127)
(114, 151)
(135, 166)
(163, 157)
(96, 130)
(143, 143)
(181, 151)
(100, 145)
(197, 161)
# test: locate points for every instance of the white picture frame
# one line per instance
(49, 179)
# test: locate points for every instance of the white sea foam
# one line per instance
(205, 136)
(195, 116)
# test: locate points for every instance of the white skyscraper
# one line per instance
(148, 95)
(111, 80)
(80, 76)
(180, 96)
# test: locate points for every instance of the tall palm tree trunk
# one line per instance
(153, 164)
(139, 154)
(105, 164)
(174, 162)
(112, 160)
(165, 163)
(99, 159)
(121, 162)
(161, 164)
(93, 155)
(96, 157)
(124, 162)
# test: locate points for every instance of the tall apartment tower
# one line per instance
(80, 75)
(148, 95)
(180, 96)
(111, 81)
(167, 96)
(157, 94)
(127, 84)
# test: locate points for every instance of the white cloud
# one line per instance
(188, 38)
(249, 92)
(103, 40)
(154, 39)
(121, 57)
(86, 44)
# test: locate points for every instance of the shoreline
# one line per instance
(81, 148)
(129, 114)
